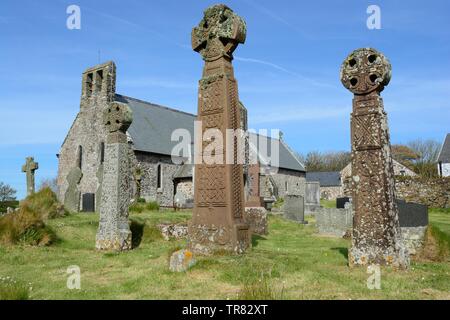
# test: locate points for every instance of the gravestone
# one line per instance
(413, 219)
(312, 197)
(29, 168)
(412, 214)
(294, 208)
(217, 222)
(376, 236)
(114, 230)
(340, 202)
(333, 221)
(88, 202)
(72, 195)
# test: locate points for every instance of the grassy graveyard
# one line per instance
(292, 262)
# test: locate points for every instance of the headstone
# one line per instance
(340, 202)
(333, 221)
(412, 214)
(217, 222)
(253, 197)
(256, 218)
(88, 202)
(294, 208)
(312, 197)
(29, 168)
(376, 237)
(72, 195)
(114, 230)
(181, 261)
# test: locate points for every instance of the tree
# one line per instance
(427, 153)
(7, 193)
(427, 150)
(329, 161)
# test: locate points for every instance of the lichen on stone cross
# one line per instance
(365, 70)
(118, 117)
(29, 168)
(219, 33)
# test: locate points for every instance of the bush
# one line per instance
(141, 200)
(279, 203)
(4, 205)
(25, 226)
(45, 204)
(152, 206)
(10, 289)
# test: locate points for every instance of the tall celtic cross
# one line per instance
(113, 229)
(29, 168)
(217, 222)
(376, 236)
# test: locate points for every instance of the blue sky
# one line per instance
(288, 69)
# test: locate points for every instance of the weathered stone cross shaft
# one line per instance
(376, 237)
(29, 168)
(217, 222)
(114, 231)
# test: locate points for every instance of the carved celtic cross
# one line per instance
(219, 33)
(366, 70)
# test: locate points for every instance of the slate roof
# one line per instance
(153, 125)
(444, 155)
(326, 179)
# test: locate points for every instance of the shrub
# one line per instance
(136, 207)
(141, 200)
(11, 289)
(4, 205)
(279, 203)
(25, 226)
(45, 204)
(152, 206)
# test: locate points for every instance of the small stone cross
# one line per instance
(29, 168)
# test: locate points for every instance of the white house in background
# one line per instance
(444, 158)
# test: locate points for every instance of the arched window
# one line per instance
(159, 176)
(80, 157)
(102, 152)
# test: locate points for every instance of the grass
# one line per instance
(328, 203)
(292, 262)
(11, 289)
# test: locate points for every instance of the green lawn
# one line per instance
(293, 261)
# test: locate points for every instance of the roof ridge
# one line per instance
(156, 105)
(293, 153)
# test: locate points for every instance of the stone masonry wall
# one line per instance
(434, 193)
(294, 181)
(149, 167)
(87, 131)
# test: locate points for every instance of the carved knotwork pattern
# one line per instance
(211, 98)
(366, 131)
(211, 186)
(237, 187)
